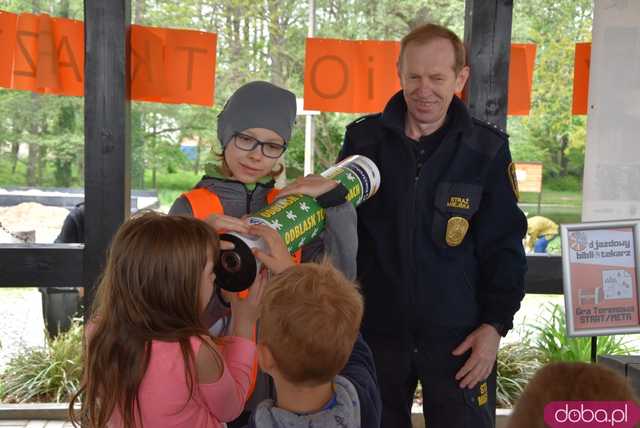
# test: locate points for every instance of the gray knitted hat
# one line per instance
(257, 105)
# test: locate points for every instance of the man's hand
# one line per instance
(278, 258)
(483, 342)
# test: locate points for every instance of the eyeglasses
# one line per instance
(249, 143)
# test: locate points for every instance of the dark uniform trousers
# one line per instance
(445, 404)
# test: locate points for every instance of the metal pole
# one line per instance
(310, 129)
(539, 200)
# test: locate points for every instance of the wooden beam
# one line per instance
(107, 130)
(487, 36)
(17, 413)
(544, 275)
(41, 265)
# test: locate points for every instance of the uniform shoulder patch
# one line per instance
(513, 179)
(491, 127)
(362, 119)
(487, 143)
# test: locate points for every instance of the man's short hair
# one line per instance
(310, 316)
(427, 32)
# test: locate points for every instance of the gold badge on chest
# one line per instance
(457, 228)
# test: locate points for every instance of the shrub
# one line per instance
(572, 183)
(50, 374)
(517, 363)
(554, 344)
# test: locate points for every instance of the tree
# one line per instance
(551, 127)
(265, 41)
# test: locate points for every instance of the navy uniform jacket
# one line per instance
(416, 286)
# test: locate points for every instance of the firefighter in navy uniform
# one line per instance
(440, 256)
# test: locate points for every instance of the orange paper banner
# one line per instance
(349, 76)
(25, 61)
(147, 64)
(7, 47)
(520, 78)
(172, 66)
(581, 78)
(190, 66)
(68, 36)
(46, 55)
(47, 69)
(360, 76)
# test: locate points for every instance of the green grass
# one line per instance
(560, 206)
(49, 374)
(546, 341)
(179, 180)
(554, 344)
(167, 197)
(564, 192)
(559, 214)
(19, 178)
(171, 185)
(517, 363)
(559, 197)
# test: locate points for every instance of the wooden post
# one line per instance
(107, 131)
(487, 36)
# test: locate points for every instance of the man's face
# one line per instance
(429, 81)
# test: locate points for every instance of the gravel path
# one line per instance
(21, 323)
(46, 221)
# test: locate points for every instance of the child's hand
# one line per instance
(224, 223)
(278, 258)
(244, 311)
(311, 185)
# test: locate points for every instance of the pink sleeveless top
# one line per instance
(164, 394)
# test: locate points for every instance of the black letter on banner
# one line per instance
(191, 52)
(345, 77)
(64, 43)
(142, 62)
(26, 55)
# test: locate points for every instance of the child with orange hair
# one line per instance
(309, 343)
(567, 381)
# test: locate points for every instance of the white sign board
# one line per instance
(611, 188)
(600, 274)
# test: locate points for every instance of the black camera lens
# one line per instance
(231, 261)
(236, 269)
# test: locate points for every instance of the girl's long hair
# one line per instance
(150, 290)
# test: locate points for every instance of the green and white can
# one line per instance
(297, 218)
